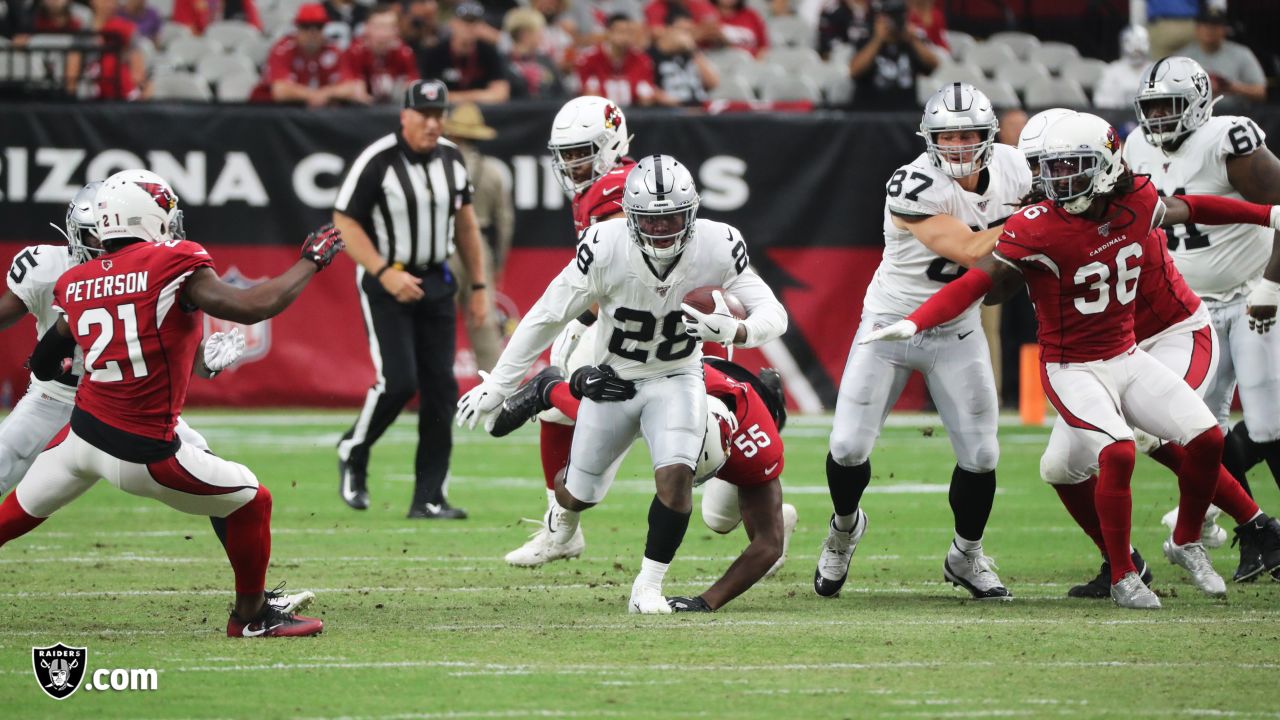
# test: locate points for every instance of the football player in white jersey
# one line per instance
(649, 382)
(942, 213)
(46, 407)
(1234, 268)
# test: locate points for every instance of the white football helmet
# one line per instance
(1031, 139)
(588, 137)
(721, 425)
(660, 203)
(1079, 161)
(82, 225)
(138, 204)
(959, 106)
(1174, 99)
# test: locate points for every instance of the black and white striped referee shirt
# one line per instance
(405, 201)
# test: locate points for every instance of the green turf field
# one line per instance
(425, 621)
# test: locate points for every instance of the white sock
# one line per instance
(652, 572)
(844, 523)
(1255, 517)
(562, 524)
(967, 545)
(551, 498)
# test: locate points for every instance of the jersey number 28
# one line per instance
(1098, 277)
(100, 318)
(638, 326)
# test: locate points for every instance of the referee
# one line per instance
(405, 201)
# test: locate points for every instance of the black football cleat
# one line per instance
(526, 402)
(1259, 548)
(689, 605)
(352, 485)
(1099, 588)
(434, 511)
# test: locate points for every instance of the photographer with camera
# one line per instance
(885, 65)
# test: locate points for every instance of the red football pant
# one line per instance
(14, 521)
(1079, 501)
(1115, 505)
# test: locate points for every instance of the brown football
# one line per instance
(701, 300)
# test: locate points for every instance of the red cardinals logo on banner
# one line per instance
(163, 196)
(612, 116)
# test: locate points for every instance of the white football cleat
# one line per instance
(541, 548)
(1133, 594)
(647, 599)
(1212, 535)
(789, 519)
(289, 603)
(974, 572)
(837, 552)
(1193, 558)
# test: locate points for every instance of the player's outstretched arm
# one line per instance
(947, 236)
(11, 309)
(1256, 177)
(762, 515)
(251, 305)
(992, 277)
(1215, 210)
(52, 355)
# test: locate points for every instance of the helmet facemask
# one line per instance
(662, 232)
(83, 240)
(959, 161)
(1070, 179)
(1163, 118)
(576, 165)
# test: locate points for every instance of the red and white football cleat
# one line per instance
(273, 623)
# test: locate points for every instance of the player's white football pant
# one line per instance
(24, 433)
(1250, 363)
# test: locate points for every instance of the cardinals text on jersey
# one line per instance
(909, 272)
(31, 278)
(1219, 261)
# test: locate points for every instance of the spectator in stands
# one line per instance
(144, 17)
(562, 34)
(661, 14)
(116, 72)
(683, 73)
(470, 66)
(380, 59)
(348, 12)
(1234, 70)
(885, 67)
(306, 68)
(847, 22)
(1171, 25)
(617, 68)
(495, 214)
(1011, 123)
(1119, 82)
(199, 14)
(53, 16)
(420, 24)
(929, 18)
(530, 71)
(742, 27)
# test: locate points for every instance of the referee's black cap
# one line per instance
(426, 95)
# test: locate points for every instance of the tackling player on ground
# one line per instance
(650, 381)
(1080, 255)
(132, 313)
(938, 209)
(589, 144)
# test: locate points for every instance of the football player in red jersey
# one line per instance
(740, 466)
(1080, 254)
(589, 144)
(132, 312)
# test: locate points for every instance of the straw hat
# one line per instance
(466, 122)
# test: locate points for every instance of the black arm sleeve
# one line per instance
(46, 360)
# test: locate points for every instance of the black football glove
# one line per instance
(321, 245)
(601, 384)
(689, 604)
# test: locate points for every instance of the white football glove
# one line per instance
(1275, 217)
(480, 403)
(901, 330)
(566, 342)
(223, 349)
(1261, 305)
(718, 326)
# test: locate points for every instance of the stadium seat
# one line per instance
(171, 31)
(945, 74)
(989, 56)
(1020, 75)
(960, 42)
(757, 73)
(734, 88)
(1055, 55)
(230, 33)
(1001, 94)
(790, 89)
(841, 54)
(837, 89)
(186, 52)
(181, 86)
(727, 59)
(1056, 92)
(236, 87)
(795, 60)
(1022, 44)
(255, 48)
(1086, 71)
(215, 67)
(164, 8)
(790, 31)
